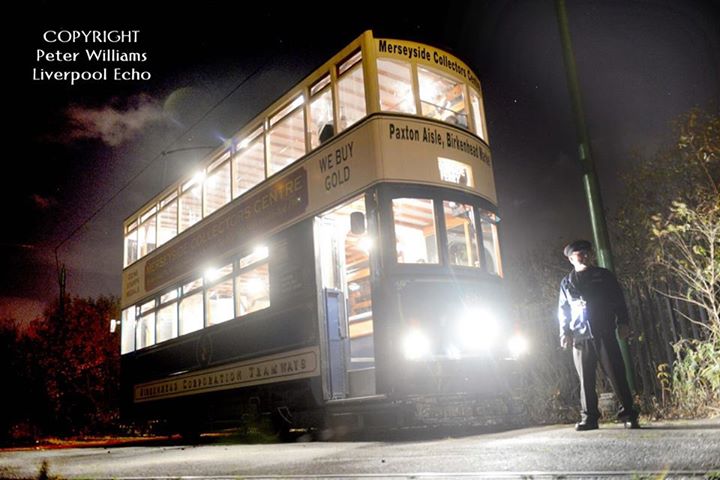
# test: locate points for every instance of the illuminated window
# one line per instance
(191, 313)
(127, 330)
(147, 233)
(491, 246)
(217, 186)
(253, 289)
(219, 299)
(477, 113)
(190, 205)
(167, 327)
(415, 232)
(321, 113)
(145, 330)
(249, 163)
(442, 98)
(455, 172)
(191, 307)
(461, 234)
(131, 247)
(167, 219)
(286, 139)
(395, 81)
(351, 91)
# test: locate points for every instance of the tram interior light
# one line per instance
(365, 243)
(416, 345)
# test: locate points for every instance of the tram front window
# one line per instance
(415, 231)
(461, 234)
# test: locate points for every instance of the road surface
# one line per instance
(678, 449)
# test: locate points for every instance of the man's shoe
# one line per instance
(583, 426)
(632, 424)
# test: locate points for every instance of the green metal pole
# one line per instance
(601, 239)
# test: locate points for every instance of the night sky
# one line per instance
(214, 65)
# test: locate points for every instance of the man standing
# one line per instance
(590, 308)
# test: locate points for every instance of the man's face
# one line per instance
(579, 258)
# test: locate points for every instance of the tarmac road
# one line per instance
(677, 449)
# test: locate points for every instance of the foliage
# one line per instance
(687, 171)
(62, 371)
(76, 366)
(696, 377)
(688, 250)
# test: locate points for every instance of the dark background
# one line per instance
(79, 159)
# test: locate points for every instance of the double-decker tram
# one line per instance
(337, 259)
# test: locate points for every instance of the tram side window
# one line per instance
(219, 295)
(146, 326)
(442, 98)
(249, 163)
(461, 234)
(217, 188)
(491, 246)
(191, 307)
(147, 233)
(252, 283)
(395, 81)
(190, 205)
(477, 112)
(415, 231)
(127, 342)
(351, 91)
(131, 246)
(286, 139)
(167, 219)
(321, 113)
(167, 317)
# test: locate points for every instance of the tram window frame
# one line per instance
(386, 85)
(245, 160)
(127, 330)
(481, 209)
(166, 215)
(322, 129)
(247, 266)
(131, 245)
(191, 188)
(286, 118)
(191, 291)
(436, 104)
(489, 219)
(217, 182)
(216, 279)
(472, 249)
(167, 301)
(347, 80)
(430, 257)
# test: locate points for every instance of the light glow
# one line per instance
(478, 330)
(416, 345)
(518, 345)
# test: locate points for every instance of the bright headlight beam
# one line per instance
(416, 345)
(518, 345)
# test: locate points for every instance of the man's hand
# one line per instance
(566, 341)
(623, 331)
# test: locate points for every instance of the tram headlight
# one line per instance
(416, 345)
(478, 329)
(518, 345)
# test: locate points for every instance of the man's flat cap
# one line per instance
(577, 246)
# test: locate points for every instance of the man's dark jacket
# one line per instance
(591, 304)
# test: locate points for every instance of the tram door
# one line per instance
(346, 301)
